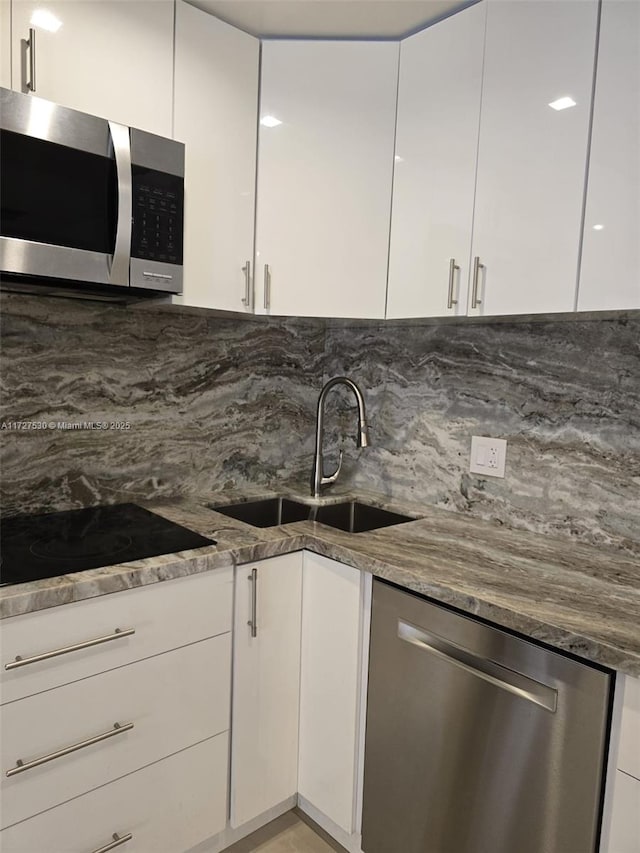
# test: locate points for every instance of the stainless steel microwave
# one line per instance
(87, 202)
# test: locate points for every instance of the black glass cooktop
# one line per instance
(45, 546)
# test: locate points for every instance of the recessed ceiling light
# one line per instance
(598, 227)
(562, 103)
(45, 20)
(270, 121)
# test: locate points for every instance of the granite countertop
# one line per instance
(573, 597)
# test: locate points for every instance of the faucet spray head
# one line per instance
(363, 434)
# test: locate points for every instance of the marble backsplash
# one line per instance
(213, 403)
(564, 393)
(218, 402)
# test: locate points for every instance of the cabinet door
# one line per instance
(332, 652)
(625, 819)
(5, 43)
(266, 685)
(324, 177)
(216, 115)
(108, 58)
(610, 270)
(435, 167)
(532, 157)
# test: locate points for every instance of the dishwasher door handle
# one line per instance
(496, 674)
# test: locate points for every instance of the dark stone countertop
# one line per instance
(570, 596)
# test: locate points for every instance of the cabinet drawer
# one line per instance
(173, 700)
(168, 807)
(629, 750)
(163, 616)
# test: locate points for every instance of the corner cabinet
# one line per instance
(531, 157)
(610, 269)
(301, 650)
(325, 160)
(215, 115)
(435, 167)
(109, 58)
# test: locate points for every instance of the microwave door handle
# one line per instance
(120, 262)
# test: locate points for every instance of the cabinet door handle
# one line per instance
(118, 729)
(246, 269)
(267, 287)
(118, 634)
(118, 840)
(253, 622)
(453, 266)
(31, 45)
(477, 266)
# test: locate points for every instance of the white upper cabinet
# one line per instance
(435, 166)
(532, 156)
(216, 110)
(325, 161)
(109, 58)
(5, 43)
(610, 270)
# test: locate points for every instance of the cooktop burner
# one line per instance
(33, 547)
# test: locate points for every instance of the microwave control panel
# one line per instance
(158, 207)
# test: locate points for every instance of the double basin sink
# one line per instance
(351, 516)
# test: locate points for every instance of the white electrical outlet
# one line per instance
(488, 456)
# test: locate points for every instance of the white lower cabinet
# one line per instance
(299, 690)
(172, 700)
(168, 807)
(621, 830)
(625, 818)
(335, 619)
(118, 736)
(266, 686)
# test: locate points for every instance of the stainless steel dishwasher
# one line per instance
(477, 741)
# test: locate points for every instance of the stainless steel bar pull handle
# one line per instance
(246, 269)
(253, 622)
(494, 673)
(21, 766)
(267, 287)
(477, 266)
(453, 266)
(118, 634)
(120, 262)
(118, 841)
(31, 45)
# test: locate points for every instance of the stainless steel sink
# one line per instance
(266, 513)
(351, 516)
(355, 517)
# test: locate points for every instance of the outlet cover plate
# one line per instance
(488, 456)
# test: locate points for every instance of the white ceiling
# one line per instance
(329, 18)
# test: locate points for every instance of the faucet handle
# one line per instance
(331, 478)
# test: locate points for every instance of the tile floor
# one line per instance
(287, 834)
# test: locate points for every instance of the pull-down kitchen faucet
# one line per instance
(362, 440)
